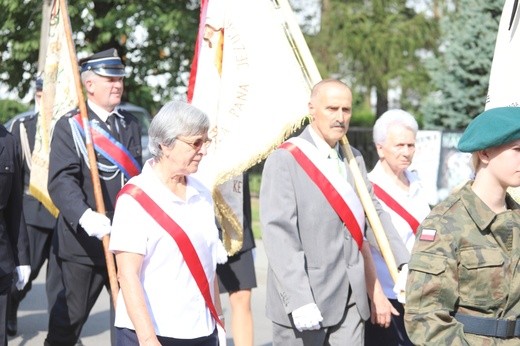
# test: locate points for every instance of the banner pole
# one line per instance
(310, 70)
(98, 194)
(370, 209)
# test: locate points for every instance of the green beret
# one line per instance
(491, 128)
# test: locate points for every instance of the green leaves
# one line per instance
(155, 38)
(460, 70)
(372, 44)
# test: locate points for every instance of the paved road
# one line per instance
(32, 316)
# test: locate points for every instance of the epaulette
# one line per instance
(71, 113)
(27, 117)
(447, 204)
(124, 112)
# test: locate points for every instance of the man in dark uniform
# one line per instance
(80, 228)
(14, 246)
(40, 222)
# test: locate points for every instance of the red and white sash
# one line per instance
(396, 207)
(181, 239)
(336, 189)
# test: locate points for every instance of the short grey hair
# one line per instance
(174, 119)
(393, 117)
(86, 76)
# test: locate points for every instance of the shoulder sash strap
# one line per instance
(337, 202)
(110, 148)
(395, 206)
(179, 236)
(24, 143)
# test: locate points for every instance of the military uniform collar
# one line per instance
(323, 147)
(481, 214)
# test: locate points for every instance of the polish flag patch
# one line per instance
(428, 234)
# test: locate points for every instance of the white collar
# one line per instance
(100, 112)
(323, 147)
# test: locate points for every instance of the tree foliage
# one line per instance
(374, 44)
(154, 37)
(9, 108)
(460, 71)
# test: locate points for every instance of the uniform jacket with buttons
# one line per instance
(71, 190)
(465, 260)
(14, 244)
(34, 211)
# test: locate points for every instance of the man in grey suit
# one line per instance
(320, 269)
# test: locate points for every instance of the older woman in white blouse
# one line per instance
(161, 300)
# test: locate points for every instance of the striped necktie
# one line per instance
(112, 123)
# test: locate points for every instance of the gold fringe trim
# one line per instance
(262, 154)
(44, 199)
(232, 230)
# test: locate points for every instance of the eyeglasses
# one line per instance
(198, 143)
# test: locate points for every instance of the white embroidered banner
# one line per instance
(59, 97)
(252, 74)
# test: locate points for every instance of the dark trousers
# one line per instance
(6, 282)
(128, 337)
(39, 247)
(82, 285)
(391, 336)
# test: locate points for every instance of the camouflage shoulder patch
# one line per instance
(428, 234)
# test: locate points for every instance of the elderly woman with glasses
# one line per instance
(165, 239)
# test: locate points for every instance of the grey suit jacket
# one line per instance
(312, 257)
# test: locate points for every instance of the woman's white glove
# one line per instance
(400, 284)
(23, 273)
(307, 317)
(95, 224)
(221, 335)
(222, 255)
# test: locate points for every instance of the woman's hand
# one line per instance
(382, 310)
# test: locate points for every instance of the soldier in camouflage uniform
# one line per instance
(463, 285)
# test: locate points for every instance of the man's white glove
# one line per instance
(400, 284)
(307, 317)
(221, 335)
(23, 273)
(95, 224)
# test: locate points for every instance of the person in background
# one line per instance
(463, 285)
(14, 245)
(320, 269)
(165, 240)
(401, 195)
(237, 277)
(40, 222)
(77, 242)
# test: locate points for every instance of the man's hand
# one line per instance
(400, 285)
(95, 224)
(382, 310)
(307, 317)
(23, 273)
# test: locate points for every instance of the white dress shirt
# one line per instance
(414, 201)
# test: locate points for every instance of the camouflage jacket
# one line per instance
(466, 260)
